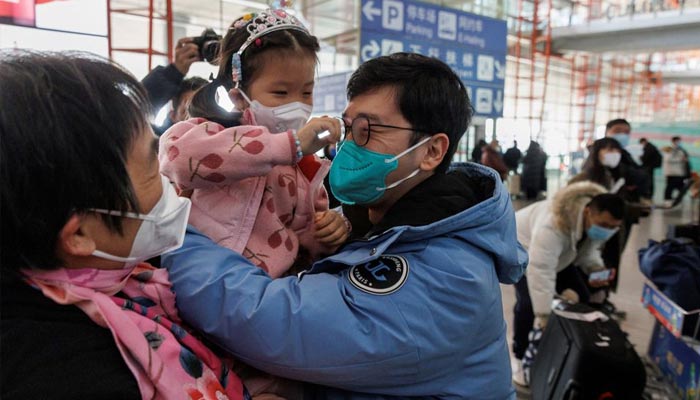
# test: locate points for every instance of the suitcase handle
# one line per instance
(572, 391)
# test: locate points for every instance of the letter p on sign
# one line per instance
(392, 15)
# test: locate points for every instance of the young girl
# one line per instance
(257, 188)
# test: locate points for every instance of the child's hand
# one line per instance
(308, 134)
(331, 229)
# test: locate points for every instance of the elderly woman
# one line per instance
(83, 206)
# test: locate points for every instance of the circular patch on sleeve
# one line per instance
(382, 276)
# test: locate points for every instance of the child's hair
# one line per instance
(288, 42)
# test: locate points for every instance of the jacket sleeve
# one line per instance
(162, 84)
(307, 238)
(589, 258)
(319, 196)
(546, 246)
(199, 154)
(310, 328)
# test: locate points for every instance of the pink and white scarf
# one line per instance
(138, 306)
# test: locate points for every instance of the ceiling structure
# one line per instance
(608, 49)
(336, 22)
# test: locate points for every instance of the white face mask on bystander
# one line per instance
(611, 159)
(162, 229)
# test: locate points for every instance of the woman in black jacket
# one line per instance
(533, 180)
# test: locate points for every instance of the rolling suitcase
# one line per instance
(583, 355)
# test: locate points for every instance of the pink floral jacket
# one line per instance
(251, 194)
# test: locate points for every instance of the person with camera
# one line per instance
(166, 83)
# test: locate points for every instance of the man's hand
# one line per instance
(186, 53)
(598, 283)
(331, 229)
(541, 321)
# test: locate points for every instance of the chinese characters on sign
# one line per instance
(473, 46)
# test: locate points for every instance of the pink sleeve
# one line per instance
(319, 196)
(320, 199)
(197, 153)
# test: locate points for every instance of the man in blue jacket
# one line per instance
(413, 308)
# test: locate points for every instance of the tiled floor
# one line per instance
(638, 323)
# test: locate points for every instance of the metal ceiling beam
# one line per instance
(662, 31)
(691, 77)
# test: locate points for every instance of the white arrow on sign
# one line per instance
(500, 70)
(370, 11)
(498, 103)
(370, 50)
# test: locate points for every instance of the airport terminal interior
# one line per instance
(543, 77)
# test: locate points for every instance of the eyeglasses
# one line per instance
(360, 130)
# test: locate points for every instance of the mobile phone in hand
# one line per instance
(598, 276)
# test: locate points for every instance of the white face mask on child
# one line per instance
(281, 118)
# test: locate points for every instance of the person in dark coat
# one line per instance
(512, 157)
(636, 181)
(163, 83)
(533, 179)
(651, 159)
(606, 166)
(476, 153)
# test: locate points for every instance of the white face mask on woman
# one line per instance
(611, 159)
(282, 118)
(162, 229)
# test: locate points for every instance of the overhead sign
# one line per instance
(472, 45)
(330, 96)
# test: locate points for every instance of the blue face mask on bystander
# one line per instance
(622, 138)
(599, 233)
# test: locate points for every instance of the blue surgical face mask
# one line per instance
(358, 175)
(622, 138)
(599, 233)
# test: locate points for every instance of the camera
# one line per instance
(208, 43)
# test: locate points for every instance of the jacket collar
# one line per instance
(438, 197)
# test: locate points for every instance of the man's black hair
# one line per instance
(429, 94)
(675, 138)
(188, 85)
(619, 121)
(67, 122)
(612, 203)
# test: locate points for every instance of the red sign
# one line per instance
(17, 12)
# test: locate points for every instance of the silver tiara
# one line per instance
(259, 25)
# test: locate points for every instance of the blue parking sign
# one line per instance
(472, 45)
